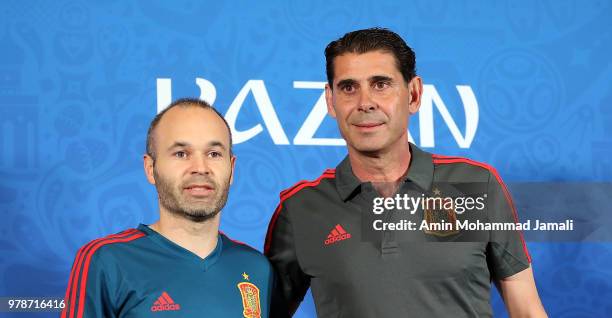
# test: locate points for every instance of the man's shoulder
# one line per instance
(461, 169)
(109, 246)
(242, 250)
(323, 183)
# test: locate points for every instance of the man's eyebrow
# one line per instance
(380, 78)
(184, 144)
(216, 143)
(345, 82)
(373, 79)
(179, 144)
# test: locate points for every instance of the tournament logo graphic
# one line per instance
(250, 298)
(440, 215)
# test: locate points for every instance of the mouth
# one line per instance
(367, 126)
(199, 190)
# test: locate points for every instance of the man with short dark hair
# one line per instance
(181, 265)
(320, 235)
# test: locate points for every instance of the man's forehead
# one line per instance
(194, 115)
(373, 63)
(196, 123)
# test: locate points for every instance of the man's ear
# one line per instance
(329, 99)
(232, 165)
(149, 164)
(415, 87)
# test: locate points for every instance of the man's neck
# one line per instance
(198, 238)
(384, 169)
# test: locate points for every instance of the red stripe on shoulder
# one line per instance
(83, 291)
(326, 172)
(236, 241)
(92, 247)
(435, 156)
(285, 194)
(493, 171)
(76, 270)
(438, 159)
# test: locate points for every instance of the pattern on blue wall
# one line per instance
(78, 87)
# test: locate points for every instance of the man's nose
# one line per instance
(199, 164)
(366, 102)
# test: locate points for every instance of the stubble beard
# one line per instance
(171, 198)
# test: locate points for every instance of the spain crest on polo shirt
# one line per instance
(440, 215)
(250, 298)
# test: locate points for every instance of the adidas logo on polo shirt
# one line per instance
(165, 303)
(337, 234)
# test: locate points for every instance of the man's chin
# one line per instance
(369, 146)
(374, 144)
(194, 213)
(199, 217)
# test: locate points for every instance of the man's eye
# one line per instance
(348, 88)
(381, 85)
(180, 154)
(215, 154)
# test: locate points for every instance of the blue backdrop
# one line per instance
(522, 85)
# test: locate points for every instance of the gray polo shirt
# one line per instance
(321, 236)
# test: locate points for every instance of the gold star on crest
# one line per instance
(245, 276)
